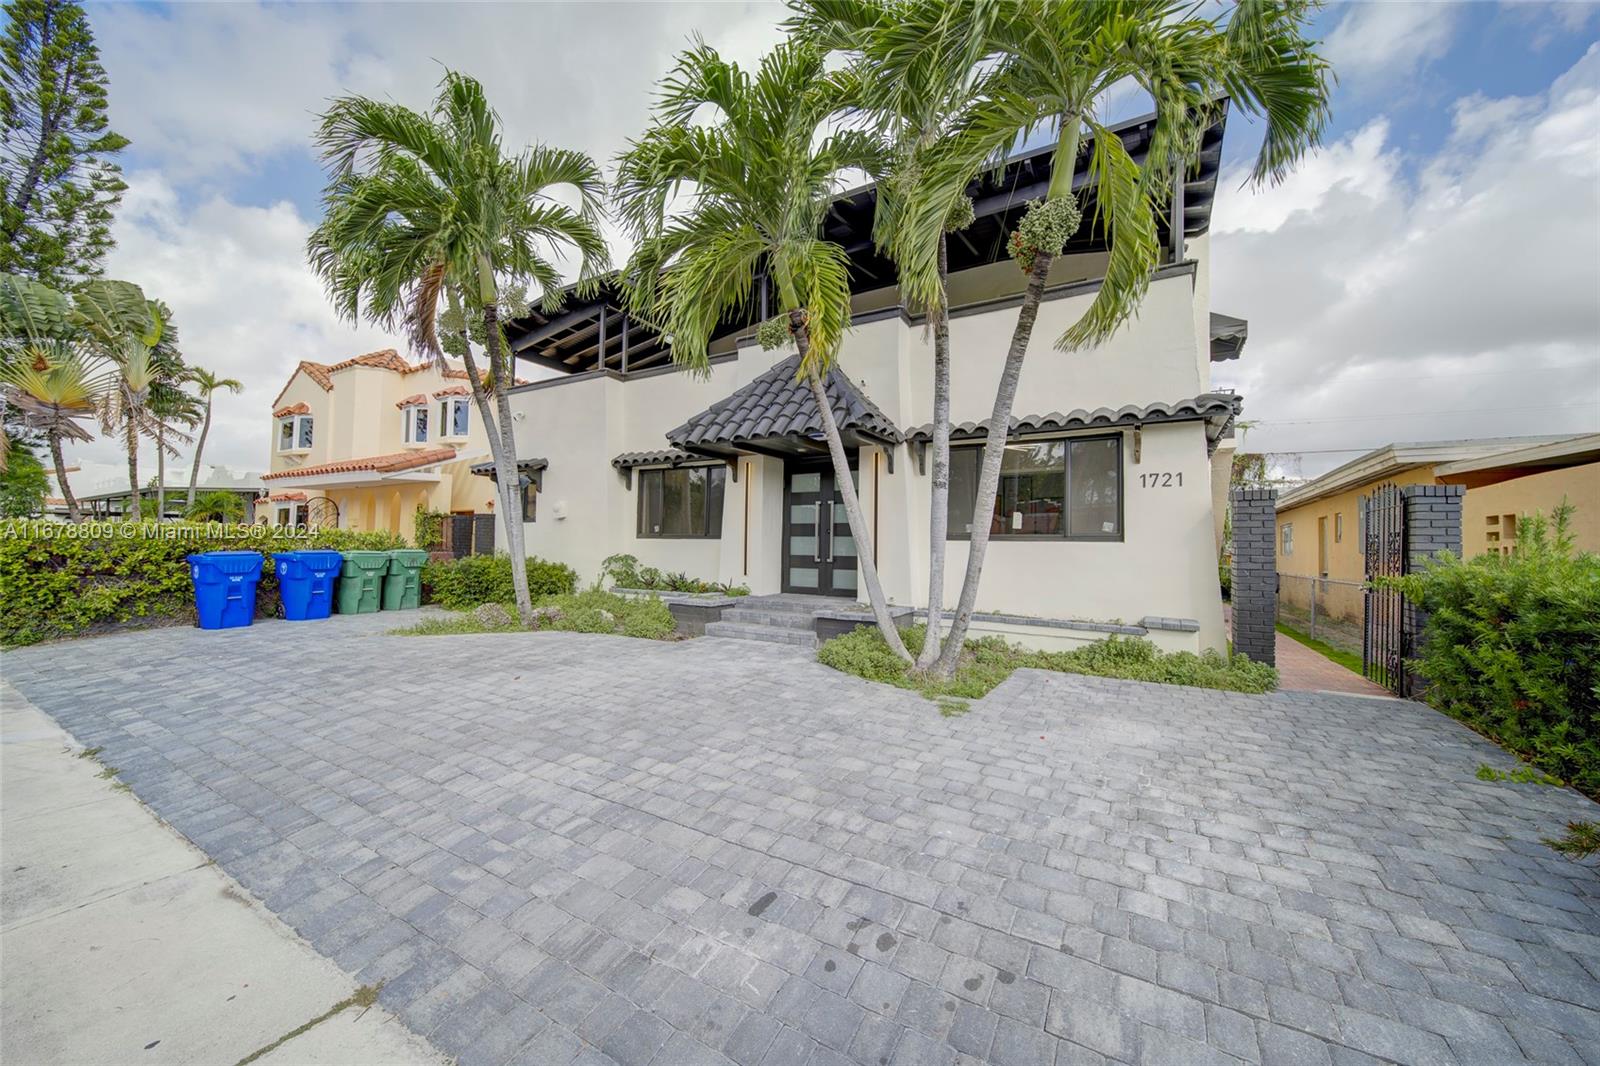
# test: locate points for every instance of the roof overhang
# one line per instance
(1217, 410)
(355, 479)
(529, 472)
(595, 332)
(1574, 451)
(1228, 335)
(1392, 460)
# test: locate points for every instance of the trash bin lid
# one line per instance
(367, 560)
(407, 558)
(230, 562)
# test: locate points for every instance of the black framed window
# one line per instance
(682, 502)
(1067, 489)
(530, 501)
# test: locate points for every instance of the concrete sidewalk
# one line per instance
(121, 942)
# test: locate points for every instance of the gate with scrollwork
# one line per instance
(1385, 629)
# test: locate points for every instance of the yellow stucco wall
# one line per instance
(1542, 492)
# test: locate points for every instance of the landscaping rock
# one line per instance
(493, 616)
(545, 615)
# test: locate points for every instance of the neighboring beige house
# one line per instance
(1319, 522)
(1107, 508)
(366, 442)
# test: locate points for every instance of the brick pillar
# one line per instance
(1433, 525)
(1255, 573)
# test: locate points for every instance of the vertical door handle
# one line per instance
(816, 527)
(830, 531)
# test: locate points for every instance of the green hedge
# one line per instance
(465, 583)
(1512, 647)
(58, 580)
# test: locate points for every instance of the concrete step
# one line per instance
(761, 617)
(800, 638)
(791, 604)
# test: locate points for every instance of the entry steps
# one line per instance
(785, 619)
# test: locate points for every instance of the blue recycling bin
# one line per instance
(225, 587)
(305, 583)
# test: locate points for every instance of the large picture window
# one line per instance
(682, 502)
(1069, 489)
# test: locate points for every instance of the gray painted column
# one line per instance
(1255, 574)
(1433, 525)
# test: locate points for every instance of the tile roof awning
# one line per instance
(292, 409)
(414, 400)
(777, 415)
(1228, 335)
(530, 471)
(454, 390)
(393, 463)
(665, 457)
(1216, 409)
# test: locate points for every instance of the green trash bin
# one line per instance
(361, 581)
(402, 581)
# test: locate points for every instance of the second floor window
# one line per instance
(416, 424)
(294, 433)
(454, 416)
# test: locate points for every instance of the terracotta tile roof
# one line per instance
(413, 400)
(459, 390)
(315, 371)
(384, 359)
(285, 497)
(381, 464)
(292, 409)
(461, 375)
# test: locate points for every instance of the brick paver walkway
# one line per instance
(558, 847)
(1302, 670)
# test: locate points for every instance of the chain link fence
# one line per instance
(1324, 608)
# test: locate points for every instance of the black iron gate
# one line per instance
(1384, 638)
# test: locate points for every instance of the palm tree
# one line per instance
(762, 172)
(147, 360)
(916, 109)
(216, 505)
(424, 210)
(53, 367)
(171, 407)
(1044, 65)
(208, 385)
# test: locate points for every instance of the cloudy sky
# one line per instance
(1434, 272)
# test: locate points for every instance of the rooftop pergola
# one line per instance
(597, 334)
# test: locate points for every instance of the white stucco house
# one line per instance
(1115, 469)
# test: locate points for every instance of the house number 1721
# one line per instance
(1165, 480)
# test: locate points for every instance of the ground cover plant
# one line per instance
(590, 611)
(990, 660)
(624, 572)
(58, 580)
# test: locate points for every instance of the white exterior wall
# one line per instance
(1165, 565)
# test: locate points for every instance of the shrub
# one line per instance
(461, 584)
(1511, 647)
(990, 660)
(591, 611)
(624, 572)
(59, 581)
(216, 506)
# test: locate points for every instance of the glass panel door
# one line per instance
(819, 554)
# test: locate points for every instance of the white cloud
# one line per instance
(244, 304)
(1378, 43)
(1459, 298)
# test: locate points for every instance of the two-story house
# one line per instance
(1111, 489)
(367, 442)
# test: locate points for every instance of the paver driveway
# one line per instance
(556, 846)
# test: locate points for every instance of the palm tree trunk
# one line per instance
(505, 464)
(194, 466)
(989, 475)
(133, 472)
(939, 503)
(847, 489)
(74, 513)
(1064, 163)
(161, 474)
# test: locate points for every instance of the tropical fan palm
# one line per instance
(141, 342)
(57, 356)
(758, 176)
(427, 214)
(1044, 65)
(208, 384)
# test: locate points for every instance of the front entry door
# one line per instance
(819, 554)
